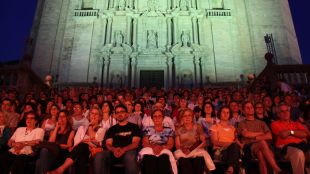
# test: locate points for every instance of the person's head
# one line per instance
(288, 99)
(267, 101)
(234, 107)
(277, 100)
(161, 99)
(121, 113)
(2, 118)
(224, 113)
(64, 119)
(157, 117)
(6, 104)
(31, 119)
(187, 116)
(129, 106)
(158, 106)
(284, 112)
(77, 108)
(248, 109)
(107, 107)
(259, 108)
(183, 103)
(138, 107)
(208, 109)
(29, 107)
(95, 115)
(54, 110)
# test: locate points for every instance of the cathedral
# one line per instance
(163, 43)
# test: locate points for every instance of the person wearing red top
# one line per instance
(291, 139)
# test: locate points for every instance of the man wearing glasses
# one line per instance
(121, 142)
(291, 139)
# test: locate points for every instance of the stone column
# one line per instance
(169, 32)
(134, 36)
(195, 33)
(108, 38)
(133, 71)
(169, 70)
(135, 4)
(200, 30)
(175, 35)
(198, 4)
(106, 71)
(168, 4)
(197, 70)
(104, 23)
(128, 39)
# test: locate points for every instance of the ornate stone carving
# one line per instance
(184, 4)
(152, 39)
(185, 39)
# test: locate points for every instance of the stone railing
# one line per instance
(86, 13)
(218, 12)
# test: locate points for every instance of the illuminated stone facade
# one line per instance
(167, 43)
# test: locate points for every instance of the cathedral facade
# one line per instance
(165, 43)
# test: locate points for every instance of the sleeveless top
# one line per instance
(63, 138)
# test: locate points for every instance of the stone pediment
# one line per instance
(152, 13)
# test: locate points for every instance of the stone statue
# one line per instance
(151, 39)
(185, 39)
(152, 4)
(121, 4)
(184, 4)
(118, 38)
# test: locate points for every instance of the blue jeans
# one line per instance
(45, 161)
(103, 161)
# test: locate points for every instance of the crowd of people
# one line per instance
(153, 131)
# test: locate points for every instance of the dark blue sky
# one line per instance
(16, 19)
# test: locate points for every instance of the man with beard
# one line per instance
(122, 141)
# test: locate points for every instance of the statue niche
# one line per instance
(184, 5)
(152, 39)
(185, 39)
(118, 37)
(121, 4)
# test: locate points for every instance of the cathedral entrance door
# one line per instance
(150, 78)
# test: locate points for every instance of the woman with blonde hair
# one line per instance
(190, 142)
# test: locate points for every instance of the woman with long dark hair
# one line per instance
(57, 148)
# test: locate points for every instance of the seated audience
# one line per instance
(291, 139)
(78, 119)
(157, 144)
(225, 141)
(254, 136)
(5, 133)
(21, 146)
(86, 142)
(122, 141)
(57, 148)
(190, 142)
(49, 124)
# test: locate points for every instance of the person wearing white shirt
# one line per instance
(87, 140)
(24, 138)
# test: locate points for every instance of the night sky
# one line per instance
(16, 20)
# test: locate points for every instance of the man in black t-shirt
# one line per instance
(121, 141)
